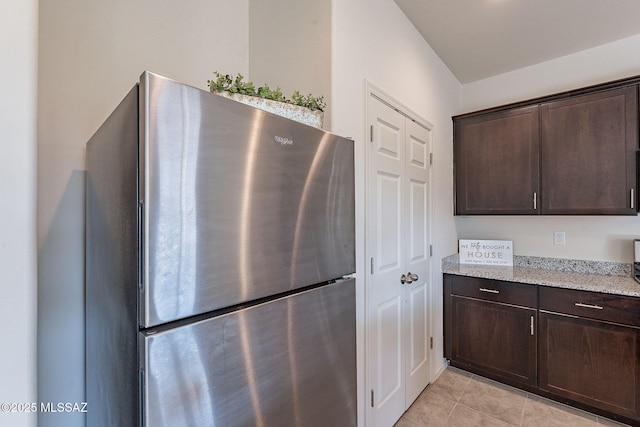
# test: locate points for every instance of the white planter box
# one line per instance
(290, 111)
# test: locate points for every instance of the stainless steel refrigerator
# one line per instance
(220, 261)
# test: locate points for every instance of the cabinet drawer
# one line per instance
(593, 305)
(494, 290)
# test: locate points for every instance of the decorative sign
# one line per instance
(486, 252)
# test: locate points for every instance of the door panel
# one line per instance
(389, 346)
(494, 337)
(418, 146)
(288, 362)
(389, 138)
(417, 258)
(418, 333)
(418, 233)
(233, 198)
(588, 146)
(591, 361)
(388, 226)
(386, 300)
(398, 243)
(496, 163)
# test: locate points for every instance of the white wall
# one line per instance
(91, 53)
(373, 40)
(18, 79)
(591, 238)
(601, 64)
(290, 46)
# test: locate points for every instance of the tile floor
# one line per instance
(459, 398)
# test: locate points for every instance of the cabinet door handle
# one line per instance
(535, 201)
(491, 291)
(632, 199)
(531, 325)
(596, 307)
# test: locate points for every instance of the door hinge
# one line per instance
(431, 343)
(372, 405)
(371, 265)
(431, 158)
(371, 133)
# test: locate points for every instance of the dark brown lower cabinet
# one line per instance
(589, 361)
(490, 328)
(577, 347)
(495, 337)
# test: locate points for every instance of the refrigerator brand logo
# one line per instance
(284, 141)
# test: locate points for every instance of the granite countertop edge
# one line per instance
(594, 276)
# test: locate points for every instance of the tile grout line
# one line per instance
(526, 399)
(555, 406)
(459, 397)
(473, 376)
(486, 415)
(464, 389)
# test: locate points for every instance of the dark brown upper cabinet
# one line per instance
(496, 163)
(573, 153)
(588, 153)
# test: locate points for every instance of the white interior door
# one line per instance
(416, 244)
(385, 225)
(398, 251)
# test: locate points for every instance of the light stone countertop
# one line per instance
(594, 276)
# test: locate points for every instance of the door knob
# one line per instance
(405, 279)
(413, 277)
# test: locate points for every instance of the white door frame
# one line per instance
(372, 91)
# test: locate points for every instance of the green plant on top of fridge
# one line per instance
(233, 85)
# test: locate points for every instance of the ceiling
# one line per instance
(477, 39)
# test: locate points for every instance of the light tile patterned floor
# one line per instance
(459, 398)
